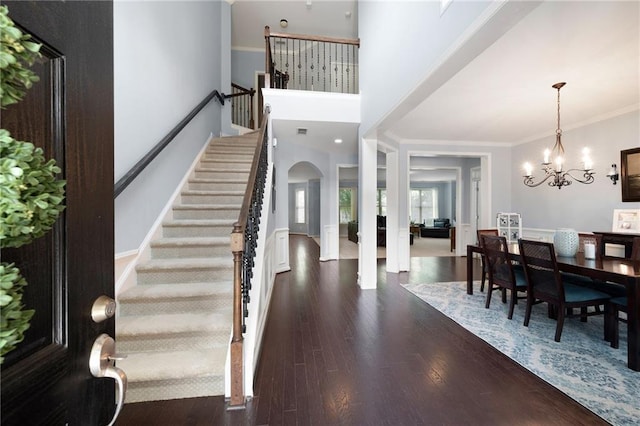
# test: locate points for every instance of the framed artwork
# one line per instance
(630, 174)
(626, 221)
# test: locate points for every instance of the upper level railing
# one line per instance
(244, 241)
(242, 106)
(303, 62)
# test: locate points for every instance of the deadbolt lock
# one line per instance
(103, 308)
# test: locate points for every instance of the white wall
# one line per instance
(578, 206)
(166, 60)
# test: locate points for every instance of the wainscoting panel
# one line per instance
(281, 261)
(329, 249)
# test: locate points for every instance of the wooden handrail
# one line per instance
(351, 41)
(239, 238)
(243, 91)
(133, 173)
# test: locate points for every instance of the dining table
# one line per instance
(612, 269)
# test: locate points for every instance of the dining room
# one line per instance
(586, 256)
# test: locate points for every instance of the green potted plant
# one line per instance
(31, 196)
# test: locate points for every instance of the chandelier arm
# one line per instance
(528, 180)
(587, 176)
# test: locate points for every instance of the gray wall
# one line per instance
(582, 207)
(244, 65)
(313, 207)
(166, 60)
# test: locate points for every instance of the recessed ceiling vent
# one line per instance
(302, 131)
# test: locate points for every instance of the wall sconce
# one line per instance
(613, 174)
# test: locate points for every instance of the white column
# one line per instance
(393, 241)
(404, 254)
(367, 224)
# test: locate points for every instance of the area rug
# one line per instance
(582, 364)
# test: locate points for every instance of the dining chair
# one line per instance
(545, 284)
(620, 304)
(485, 272)
(502, 275)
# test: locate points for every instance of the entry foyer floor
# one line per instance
(335, 354)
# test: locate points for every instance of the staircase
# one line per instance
(175, 324)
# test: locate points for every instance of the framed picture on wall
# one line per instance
(630, 174)
(626, 221)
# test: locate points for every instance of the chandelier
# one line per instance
(554, 171)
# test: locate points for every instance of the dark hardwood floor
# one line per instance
(335, 354)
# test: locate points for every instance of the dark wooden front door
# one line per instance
(69, 114)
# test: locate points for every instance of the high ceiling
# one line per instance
(316, 17)
(504, 95)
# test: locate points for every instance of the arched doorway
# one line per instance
(304, 206)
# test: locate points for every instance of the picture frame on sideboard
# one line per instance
(626, 221)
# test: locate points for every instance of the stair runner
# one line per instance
(174, 325)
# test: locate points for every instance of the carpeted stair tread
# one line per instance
(235, 142)
(188, 263)
(217, 181)
(221, 174)
(191, 247)
(192, 241)
(215, 192)
(163, 324)
(197, 222)
(175, 291)
(151, 366)
(220, 159)
(207, 207)
(222, 155)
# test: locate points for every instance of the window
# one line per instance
(381, 202)
(424, 204)
(300, 206)
(348, 202)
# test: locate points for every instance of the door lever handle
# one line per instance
(121, 379)
(101, 364)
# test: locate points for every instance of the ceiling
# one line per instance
(317, 17)
(504, 95)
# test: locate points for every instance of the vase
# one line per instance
(565, 242)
